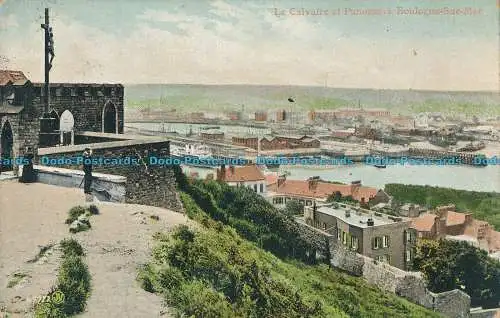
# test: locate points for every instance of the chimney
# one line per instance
(440, 224)
(221, 173)
(468, 218)
(347, 213)
(281, 180)
(370, 222)
(313, 183)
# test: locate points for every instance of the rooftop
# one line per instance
(358, 219)
(424, 222)
(245, 173)
(323, 189)
(7, 76)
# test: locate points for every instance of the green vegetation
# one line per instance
(293, 207)
(246, 259)
(251, 216)
(16, 279)
(449, 265)
(70, 295)
(483, 205)
(214, 272)
(41, 253)
(74, 213)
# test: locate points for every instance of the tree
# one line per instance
(451, 265)
(334, 197)
(294, 207)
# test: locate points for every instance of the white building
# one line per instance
(246, 176)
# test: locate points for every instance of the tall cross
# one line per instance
(49, 56)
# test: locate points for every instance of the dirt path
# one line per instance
(120, 239)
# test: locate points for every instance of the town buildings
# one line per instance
(309, 191)
(288, 142)
(246, 141)
(381, 237)
(445, 222)
(212, 135)
(245, 176)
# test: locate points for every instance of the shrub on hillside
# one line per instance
(74, 213)
(94, 210)
(71, 247)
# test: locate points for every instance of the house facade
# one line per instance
(245, 176)
(313, 189)
(445, 222)
(381, 237)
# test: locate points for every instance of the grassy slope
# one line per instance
(341, 295)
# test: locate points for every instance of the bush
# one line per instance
(74, 213)
(71, 247)
(73, 282)
(94, 210)
(214, 273)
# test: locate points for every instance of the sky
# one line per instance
(341, 43)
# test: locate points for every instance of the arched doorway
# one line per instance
(53, 114)
(109, 118)
(66, 126)
(6, 149)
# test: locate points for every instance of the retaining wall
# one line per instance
(410, 285)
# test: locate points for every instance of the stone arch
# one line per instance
(6, 147)
(110, 118)
(53, 114)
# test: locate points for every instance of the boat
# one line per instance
(379, 162)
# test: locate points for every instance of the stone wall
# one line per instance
(410, 285)
(84, 139)
(85, 101)
(106, 187)
(145, 184)
(25, 126)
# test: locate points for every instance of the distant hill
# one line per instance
(233, 97)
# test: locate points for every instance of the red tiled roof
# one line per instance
(11, 76)
(323, 190)
(271, 179)
(455, 218)
(245, 173)
(424, 222)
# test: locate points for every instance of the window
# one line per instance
(308, 203)
(59, 91)
(354, 243)
(241, 184)
(408, 236)
(301, 202)
(408, 255)
(255, 187)
(73, 91)
(339, 233)
(382, 258)
(377, 243)
(261, 188)
(344, 238)
(324, 226)
(385, 241)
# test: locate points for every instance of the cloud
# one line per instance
(8, 22)
(247, 44)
